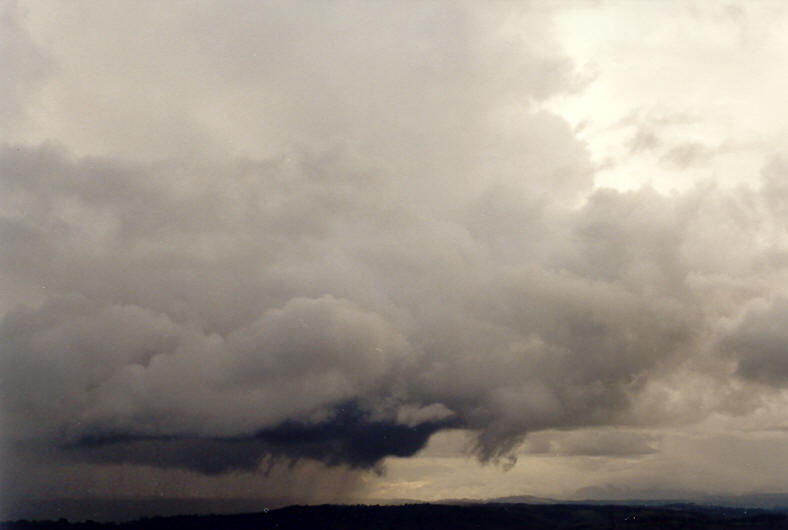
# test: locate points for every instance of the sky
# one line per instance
(376, 250)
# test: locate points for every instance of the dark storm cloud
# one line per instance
(358, 308)
(350, 437)
(347, 436)
(376, 213)
(203, 455)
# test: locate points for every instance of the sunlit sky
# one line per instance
(680, 92)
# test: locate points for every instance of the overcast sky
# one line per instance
(386, 249)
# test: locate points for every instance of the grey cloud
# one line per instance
(774, 190)
(661, 131)
(505, 364)
(391, 239)
(416, 79)
(348, 435)
(674, 154)
(603, 442)
(758, 343)
(658, 116)
(625, 444)
(644, 139)
(150, 376)
(316, 281)
(65, 350)
(25, 66)
(650, 125)
(32, 472)
(341, 290)
(687, 154)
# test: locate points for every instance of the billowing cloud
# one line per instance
(758, 343)
(493, 331)
(329, 232)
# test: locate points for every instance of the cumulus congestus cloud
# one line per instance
(152, 340)
(329, 232)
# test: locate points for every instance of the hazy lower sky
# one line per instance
(333, 250)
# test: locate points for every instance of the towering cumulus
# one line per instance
(257, 248)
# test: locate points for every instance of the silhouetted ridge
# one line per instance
(434, 516)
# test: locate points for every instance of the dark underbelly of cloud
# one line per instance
(348, 437)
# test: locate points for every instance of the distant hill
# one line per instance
(771, 501)
(512, 499)
(435, 516)
(612, 494)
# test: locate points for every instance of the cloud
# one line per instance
(758, 343)
(329, 232)
(452, 312)
(688, 153)
(671, 136)
(346, 436)
(26, 65)
(615, 443)
(149, 376)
